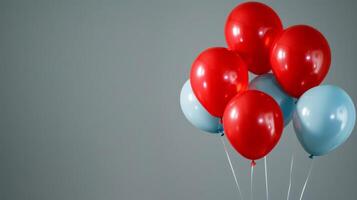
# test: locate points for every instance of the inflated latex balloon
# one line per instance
(253, 123)
(250, 30)
(324, 118)
(195, 113)
(266, 83)
(217, 75)
(300, 59)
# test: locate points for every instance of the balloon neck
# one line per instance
(221, 120)
(311, 156)
(252, 164)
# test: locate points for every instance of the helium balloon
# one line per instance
(300, 59)
(196, 113)
(266, 83)
(324, 119)
(250, 30)
(217, 75)
(253, 123)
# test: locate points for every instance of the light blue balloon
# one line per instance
(196, 113)
(267, 83)
(324, 119)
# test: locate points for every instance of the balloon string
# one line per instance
(266, 178)
(232, 169)
(307, 179)
(290, 176)
(251, 181)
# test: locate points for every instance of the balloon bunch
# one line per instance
(218, 98)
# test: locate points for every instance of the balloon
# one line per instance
(253, 123)
(266, 83)
(217, 75)
(196, 113)
(324, 119)
(250, 30)
(300, 59)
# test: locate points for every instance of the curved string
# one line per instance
(307, 178)
(232, 169)
(290, 176)
(266, 178)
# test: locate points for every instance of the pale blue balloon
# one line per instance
(267, 83)
(324, 118)
(196, 113)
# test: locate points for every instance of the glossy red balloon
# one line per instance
(253, 123)
(300, 59)
(250, 30)
(217, 75)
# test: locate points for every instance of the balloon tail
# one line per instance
(266, 177)
(251, 179)
(290, 175)
(307, 178)
(253, 163)
(232, 169)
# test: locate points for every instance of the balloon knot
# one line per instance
(253, 163)
(311, 156)
(221, 120)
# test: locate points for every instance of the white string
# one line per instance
(230, 164)
(307, 179)
(290, 176)
(266, 177)
(251, 181)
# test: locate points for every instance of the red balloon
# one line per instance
(250, 30)
(300, 59)
(217, 75)
(253, 123)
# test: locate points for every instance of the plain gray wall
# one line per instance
(89, 105)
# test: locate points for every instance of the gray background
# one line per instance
(89, 105)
